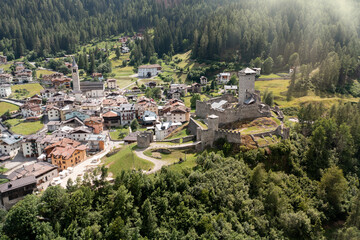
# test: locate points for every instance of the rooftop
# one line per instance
(22, 182)
(35, 169)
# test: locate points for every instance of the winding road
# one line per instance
(12, 102)
(158, 164)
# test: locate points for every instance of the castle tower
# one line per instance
(75, 77)
(246, 83)
(213, 122)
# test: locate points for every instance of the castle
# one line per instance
(228, 109)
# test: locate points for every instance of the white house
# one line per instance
(6, 78)
(24, 77)
(223, 78)
(230, 88)
(47, 93)
(162, 130)
(125, 49)
(178, 114)
(10, 145)
(203, 80)
(53, 113)
(5, 90)
(31, 110)
(148, 71)
(111, 83)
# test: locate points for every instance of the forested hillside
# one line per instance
(306, 187)
(322, 36)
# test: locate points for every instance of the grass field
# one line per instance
(18, 126)
(175, 156)
(125, 159)
(280, 87)
(270, 76)
(189, 163)
(4, 107)
(6, 67)
(116, 135)
(43, 72)
(183, 133)
(31, 90)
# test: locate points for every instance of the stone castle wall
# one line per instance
(230, 136)
(244, 112)
(193, 126)
(144, 139)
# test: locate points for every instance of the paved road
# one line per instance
(158, 164)
(12, 102)
(81, 168)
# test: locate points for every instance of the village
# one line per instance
(86, 121)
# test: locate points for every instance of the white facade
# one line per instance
(149, 70)
(31, 112)
(10, 145)
(223, 78)
(203, 80)
(23, 77)
(95, 93)
(175, 117)
(53, 114)
(5, 90)
(6, 78)
(111, 84)
(31, 148)
(162, 130)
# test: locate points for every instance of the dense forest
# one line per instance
(306, 187)
(321, 36)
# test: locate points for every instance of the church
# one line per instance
(86, 88)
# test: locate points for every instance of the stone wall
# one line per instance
(230, 136)
(144, 139)
(279, 131)
(244, 112)
(193, 126)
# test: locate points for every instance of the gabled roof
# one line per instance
(35, 169)
(110, 114)
(19, 183)
(247, 71)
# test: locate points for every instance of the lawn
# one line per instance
(119, 133)
(19, 126)
(4, 107)
(183, 133)
(6, 67)
(189, 163)
(202, 124)
(174, 156)
(270, 76)
(3, 170)
(125, 159)
(124, 82)
(43, 72)
(280, 87)
(18, 91)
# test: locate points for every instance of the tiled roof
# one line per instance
(22, 182)
(35, 169)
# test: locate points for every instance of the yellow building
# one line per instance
(66, 153)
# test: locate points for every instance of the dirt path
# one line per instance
(158, 164)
